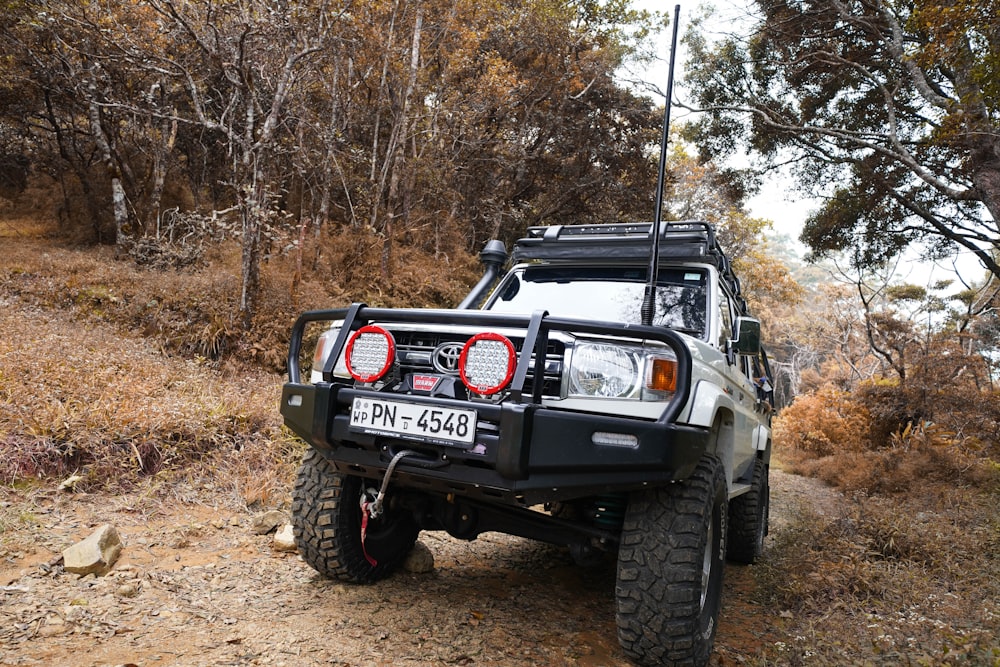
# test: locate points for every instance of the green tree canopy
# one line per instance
(888, 109)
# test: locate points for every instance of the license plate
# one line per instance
(415, 422)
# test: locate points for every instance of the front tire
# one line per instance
(670, 566)
(326, 521)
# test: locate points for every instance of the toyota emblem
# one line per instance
(445, 358)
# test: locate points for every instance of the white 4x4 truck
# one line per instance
(552, 413)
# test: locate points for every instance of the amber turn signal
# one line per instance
(663, 375)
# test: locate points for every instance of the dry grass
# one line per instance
(122, 372)
(907, 580)
(78, 397)
(32, 214)
(909, 574)
(117, 374)
(194, 311)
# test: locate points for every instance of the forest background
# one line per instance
(195, 174)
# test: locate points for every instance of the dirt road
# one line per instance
(195, 586)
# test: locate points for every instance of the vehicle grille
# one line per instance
(415, 351)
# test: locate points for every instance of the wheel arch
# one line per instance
(722, 440)
(714, 409)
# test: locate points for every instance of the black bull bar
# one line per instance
(529, 452)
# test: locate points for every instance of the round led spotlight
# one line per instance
(370, 353)
(487, 363)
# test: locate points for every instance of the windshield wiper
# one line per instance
(687, 330)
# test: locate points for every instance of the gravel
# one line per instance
(196, 586)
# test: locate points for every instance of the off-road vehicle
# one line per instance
(550, 411)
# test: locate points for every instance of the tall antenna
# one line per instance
(649, 299)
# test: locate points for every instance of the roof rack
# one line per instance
(685, 240)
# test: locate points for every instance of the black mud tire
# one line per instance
(326, 520)
(748, 515)
(670, 567)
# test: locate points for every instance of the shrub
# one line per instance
(890, 410)
(823, 423)
(873, 441)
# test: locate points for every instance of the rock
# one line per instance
(420, 560)
(284, 539)
(266, 522)
(129, 590)
(94, 555)
(52, 627)
(69, 483)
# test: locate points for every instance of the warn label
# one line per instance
(425, 382)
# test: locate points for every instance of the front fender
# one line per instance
(707, 401)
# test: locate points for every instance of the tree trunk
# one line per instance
(987, 182)
(297, 274)
(168, 135)
(252, 212)
(104, 148)
(250, 266)
(396, 158)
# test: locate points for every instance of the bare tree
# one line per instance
(244, 65)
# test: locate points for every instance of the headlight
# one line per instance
(606, 371)
(602, 370)
(323, 348)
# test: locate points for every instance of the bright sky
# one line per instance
(776, 201)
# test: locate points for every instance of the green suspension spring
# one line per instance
(608, 511)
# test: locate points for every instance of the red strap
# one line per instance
(364, 532)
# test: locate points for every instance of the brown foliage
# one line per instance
(823, 423)
(879, 440)
(421, 278)
(939, 420)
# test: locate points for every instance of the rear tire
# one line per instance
(670, 566)
(748, 516)
(326, 521)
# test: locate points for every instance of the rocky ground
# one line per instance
(195, 586)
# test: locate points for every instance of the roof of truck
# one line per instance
(680, 241)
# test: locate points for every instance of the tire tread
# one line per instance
(658, 589)
(327, 531)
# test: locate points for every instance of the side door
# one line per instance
(746, 421)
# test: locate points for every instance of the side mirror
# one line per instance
(747, 340)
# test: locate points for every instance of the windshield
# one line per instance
(606, 293)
